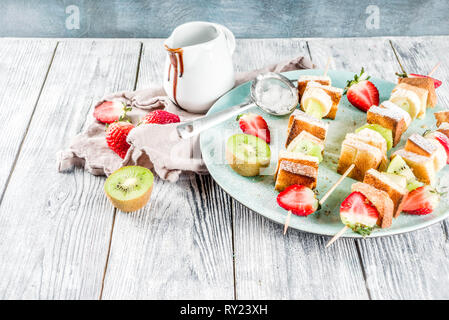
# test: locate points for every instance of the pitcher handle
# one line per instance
(230, 39)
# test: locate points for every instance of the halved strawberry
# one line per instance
(255, 125)
(436, 82)
(111, 111)
(358, 213)
(362, 93)
(421, 201)
(300, 200)
(442, 139)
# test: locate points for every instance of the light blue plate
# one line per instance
(258, 194)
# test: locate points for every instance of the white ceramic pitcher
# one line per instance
(198, 67)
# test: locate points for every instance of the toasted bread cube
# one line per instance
(299, 121)
(420, 93)
(423, 167)
(381, 181)
(428, 148)
(374, 139)
(379, 199)
(388, 119)
(304, 80)
(390, 105)
(364, 157)
(334, 93)
(300, 158)
(290, 173)
(423, 83)
(441, 116)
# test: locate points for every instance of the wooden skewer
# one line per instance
(328, 193)
(287, 221)
(434, 69)
(327, 66)
(338, 235)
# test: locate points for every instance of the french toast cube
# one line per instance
(396, 193)
(427, 147)
(379, 199)
(423, 83)
(304, 80)
(299, 158)
(388, 119)
(334, 93)
(418, 144)
(441, 116)
(290, 173)
(387, 104)
(423, 167)
(372, 138)
(364, 157)
(299, 121)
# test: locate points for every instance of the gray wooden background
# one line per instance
(246, 18)
(60, 238)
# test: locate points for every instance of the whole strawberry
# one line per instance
(421, 201)
(362, 93)
(116, 135)
(160, 117)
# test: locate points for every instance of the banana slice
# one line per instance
(316, 102)
(407, 100)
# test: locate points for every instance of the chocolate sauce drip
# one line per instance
(175, 61)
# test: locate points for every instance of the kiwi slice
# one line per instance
(400, 167)
(129, 188)
(386, 133)
(246, 154)
(314, 108)
(307, 147)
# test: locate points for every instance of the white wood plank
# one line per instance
(23, 67)
(413, 265)
(269, 265)
(56, 227)
(180, 246)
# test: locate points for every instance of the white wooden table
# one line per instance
(60, 238)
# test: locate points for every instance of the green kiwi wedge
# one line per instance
(400, 167)
(386, 133)
(129, 188)
(247, 154)
(306, 147)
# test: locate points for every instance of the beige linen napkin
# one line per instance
(153, 146)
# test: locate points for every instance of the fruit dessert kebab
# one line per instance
(297, 168)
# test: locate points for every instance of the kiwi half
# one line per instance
(246, 154)
(129, 188)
